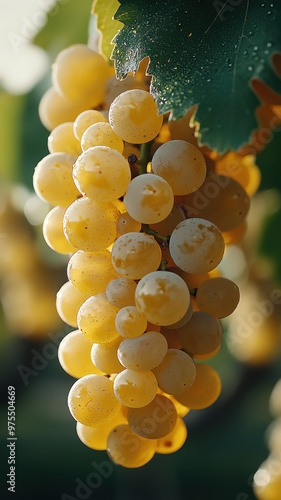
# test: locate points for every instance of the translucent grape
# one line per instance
(129, 322)
(174, 440)
(196, 246)
(55, 109)
(128, 449)
(209, 355)
(91, 400)
(53, 232)
(102, 174)
(181, 164)
(133, 116)
(155, 420)
(235, 235)
(62, 139)
(96, 319)
(218, 297)
(201, 335)
(96, 437)
(104, 356)
(144, 352)
(90, 272)
(121, 292)
(90, 226)
(135, 389)
(204, 391)
(184, 320)
(114, 87)
(79, 71)
(149, 199)
(52, 179)
(101, 134)
(68, 302)
(126, 224)
(136, 254)
(74, 355)
(166, 226)
(162, 297)
(84, 120)
(176, 373)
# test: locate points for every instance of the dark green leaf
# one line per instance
(203, 52)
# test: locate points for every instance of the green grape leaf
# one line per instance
(203, 52)
(105, 10)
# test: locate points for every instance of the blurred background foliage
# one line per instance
(225, 443)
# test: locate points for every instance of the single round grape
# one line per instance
(114, 87)
(68, 302)
(144, 352)
(96, 319)
(96, 437)
(155, 420)
(126, 224)
(90, 226)
(218, 297)
(101, 134)
(77, 71)
(130, 323)
(128, 449)
(136, 254)
(196, 246)
(104, 356)
(55, 109)
(204, 391)
(85, 120)
(149, 199)
(53, 232)
(174, 440)
(176, 373)
(74, 355)
(102, 174)
(91, 400)
(62, 139)
(52, 179)
(162, 297)
(181, 164)
(201, 335)
(121, 292)
(90, 272)
(166, 226)
(135, 389)
(133, 116)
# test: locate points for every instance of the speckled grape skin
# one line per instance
(176, 373)
(204, 391)
(91, 400)
(201, 335)
(174, 440)
(126, 448)
(133, 116)
(144, 352)
(135, 389)
(96, 319)
(121, 292)
(101, 134)
(155, 420)
(104, 356)
(68, 302)
(90, 226)
(218, 297)
(130, 323)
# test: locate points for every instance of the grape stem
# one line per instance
(144, 157)
(163, 265)
(147, 230)
(193, 291)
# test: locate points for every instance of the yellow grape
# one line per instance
(181, 409)
(74, 355)
(174, 440)
(130, 323)
(102, 174)
(101, 134)
(209, 355)
(121, 292)
(90, 272)
(53, 232)
(171, 337)
(135, 389)
(176, 373)
(162, 297)
(204, 391)
(104, 356)
(235, 235)
(52, 179)
(84, 120)
(96, 319)
(144, 352)
(183, 129)
(166, 226)
(130, 149)
(133, 116)
(79, 71)
(184, 320)
(91, 400)
(114, 87)
(201, 335)
(135, 254)
(218, 297)
(181, 164)
(267, 480)
(96, 437)
(126, 224)
(155, 420)
(68, 302)
(90, 226)
(62, 139)
(128, 449)
(149, 199)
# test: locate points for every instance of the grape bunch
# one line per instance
(146, 217)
